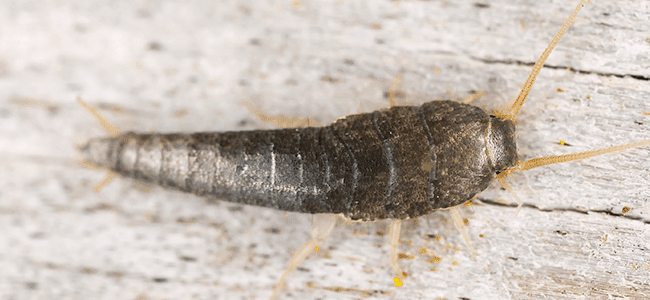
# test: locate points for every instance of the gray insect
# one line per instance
(397, 163)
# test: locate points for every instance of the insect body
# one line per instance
(397, 163)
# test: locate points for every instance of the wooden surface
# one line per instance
(166, 66)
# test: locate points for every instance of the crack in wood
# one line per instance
(568, 209)
(559, 67)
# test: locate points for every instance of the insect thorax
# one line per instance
(500, 143)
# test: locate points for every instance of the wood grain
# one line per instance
(167, 66)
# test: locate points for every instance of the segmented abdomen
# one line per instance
(386, 164)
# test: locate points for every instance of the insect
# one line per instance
(151, 141)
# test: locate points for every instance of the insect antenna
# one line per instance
(556, 159)
(549, 160)
(513, 110)
(112, 131)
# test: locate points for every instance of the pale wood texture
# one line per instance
(167, 66)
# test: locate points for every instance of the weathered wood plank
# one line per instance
(187, 67)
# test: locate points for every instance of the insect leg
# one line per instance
(391, 92)
(393, 236)
(284, 121)
(458, 221)
(504, 184)
(322, 225)
(473, 97)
